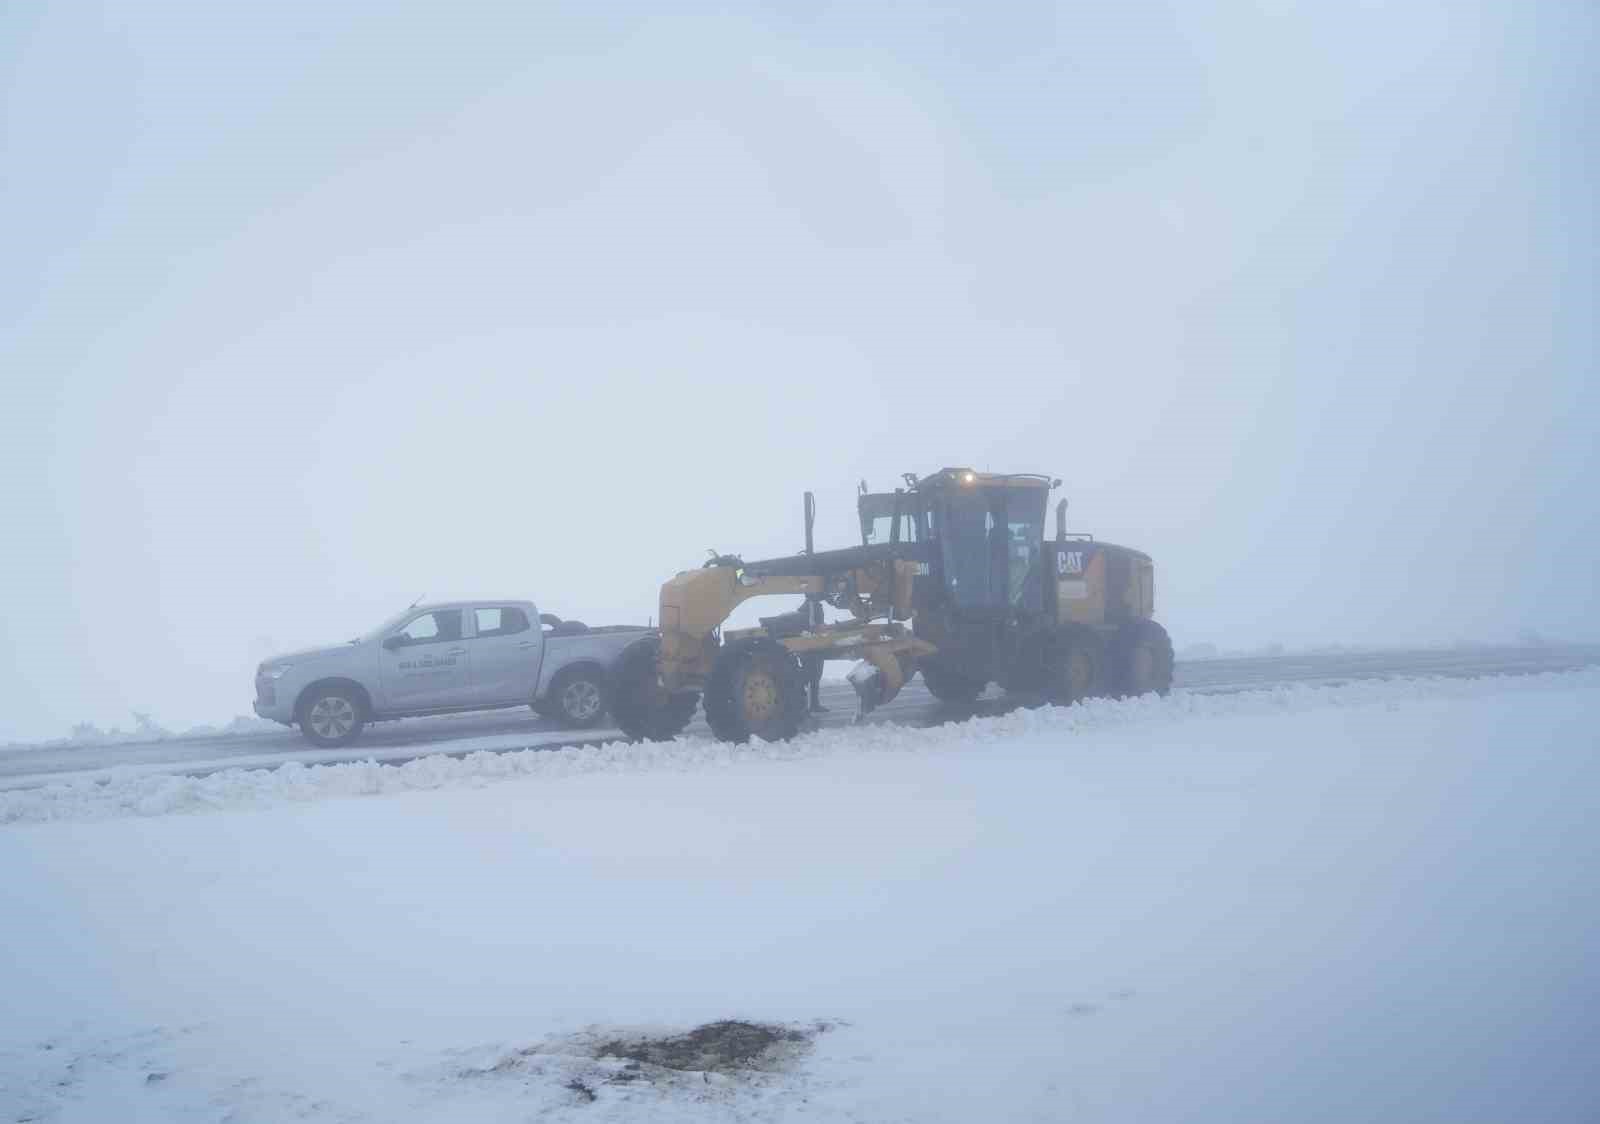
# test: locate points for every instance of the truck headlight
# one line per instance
(275, 672)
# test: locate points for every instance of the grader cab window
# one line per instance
(991, 545)
(878, 518)
(1025, 550)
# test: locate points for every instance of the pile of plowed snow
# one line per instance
(135, 794)
(86, 734)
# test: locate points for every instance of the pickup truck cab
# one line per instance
(451, 656)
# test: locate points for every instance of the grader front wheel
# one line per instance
(642, 709)
(755, 690)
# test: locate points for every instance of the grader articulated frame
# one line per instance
(963, 559)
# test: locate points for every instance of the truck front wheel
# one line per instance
(333, 716)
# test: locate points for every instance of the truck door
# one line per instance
(425, 662)
(506, 651)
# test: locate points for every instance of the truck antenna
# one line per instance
(415, 603)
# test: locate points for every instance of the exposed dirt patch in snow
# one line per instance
(728, 1046)
(718, 1064)
(721, 1071)
(719, 1047)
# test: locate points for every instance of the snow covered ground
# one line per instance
(1369, 901)
(249, 743)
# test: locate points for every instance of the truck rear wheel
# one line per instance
(642, 709)
(755, 690)
(577, 698)
(1075, 668)
(1143, 660)
(948, 685)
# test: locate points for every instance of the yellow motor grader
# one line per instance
(954, 578)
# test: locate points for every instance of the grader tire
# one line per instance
(1075, 666)
(641, 708)
(755, 690)
(1142, 660)
(949, 686)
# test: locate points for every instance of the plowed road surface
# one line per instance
(503, 730)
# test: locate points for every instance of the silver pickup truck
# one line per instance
(434, 659)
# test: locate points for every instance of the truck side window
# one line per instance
(501, 621)
(432, 628)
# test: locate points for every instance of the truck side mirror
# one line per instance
(1061, 521)
(393, 642)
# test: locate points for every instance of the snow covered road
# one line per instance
(1371, 901)
(25, 766)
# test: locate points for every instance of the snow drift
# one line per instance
(136, 794)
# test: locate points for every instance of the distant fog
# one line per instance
(308, 313)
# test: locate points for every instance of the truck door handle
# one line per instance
(527, 644)
(456, 652)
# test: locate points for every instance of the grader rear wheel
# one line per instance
(1076, 666)
(1143, 660)
(948, 685)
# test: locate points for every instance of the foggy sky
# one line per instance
(309, 310)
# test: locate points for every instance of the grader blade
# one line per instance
(883, 670)
(868, 683)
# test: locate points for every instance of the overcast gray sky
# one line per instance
(308, 309)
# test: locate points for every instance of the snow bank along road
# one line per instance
(394, 742)
(1369, 901)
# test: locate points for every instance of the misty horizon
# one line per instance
(307, 315)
